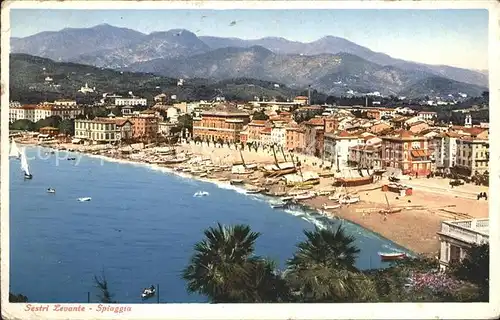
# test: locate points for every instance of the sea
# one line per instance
(138, 230)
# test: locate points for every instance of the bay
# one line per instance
(139, 228)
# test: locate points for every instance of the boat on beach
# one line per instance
(353, 182)
(384, 256)
(327, 207)
(236, 181)
(255, 190)
(305, 196)
(279, 205)
(348, 200)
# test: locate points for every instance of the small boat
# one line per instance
(24, 165)
(14, 151)
(392, 256)
(394, 179)
(305, 196)
(201, 194)
(148, 292)
(71, 158)
(51, 190)
(324, 193)
(278, 205)
(255, 190)
(348, 200)
(236, 181)
(84, 199)
(203, 175)
(327, 207)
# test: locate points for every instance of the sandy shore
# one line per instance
(414, 227)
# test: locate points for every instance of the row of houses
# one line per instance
(66, 109)
(410, 144)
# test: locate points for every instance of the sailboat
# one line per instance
(24, 165)
(14, 150)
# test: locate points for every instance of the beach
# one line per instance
(414, 227)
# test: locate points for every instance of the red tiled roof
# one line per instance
(258, 122)
(266, 130)
(316, 122)
(474, 131)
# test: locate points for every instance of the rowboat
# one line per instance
(305, 196)
(326, 207)
(392, 256)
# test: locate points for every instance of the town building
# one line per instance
(367, 155)
(132, 101)
(473, 155)
(314, 136)
(144, 127)
(418, 126)
(407, 152)
(222, 123)
(295, 138)
(302, 100)
(458, 236)
(160, 98)
(49, 131)
(265, 136)
(36, 112)
(336, 147)
(253, 130)
(427, 115)
(278, 133)
(445, 151)
(103, 130)
(65, 102)
(85, 89)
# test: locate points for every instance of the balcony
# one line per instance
(475, 231)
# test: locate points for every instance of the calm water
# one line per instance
(139, 228)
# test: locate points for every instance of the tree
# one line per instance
(67, 126)
(475, 269)
(52, 121)
(224, 269)
(102, 285)
(260, 115)
(323, 269)
(186, 121)
(23, 124)
(17, 298)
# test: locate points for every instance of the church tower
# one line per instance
(468, 121)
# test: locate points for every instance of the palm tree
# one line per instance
(323, 268)
(102, 285)
(222, 263)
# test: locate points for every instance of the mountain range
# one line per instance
(331, 64)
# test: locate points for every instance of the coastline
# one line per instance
(413, 229)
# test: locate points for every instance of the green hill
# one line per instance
(28, 85)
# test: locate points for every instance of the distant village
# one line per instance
(338, 136)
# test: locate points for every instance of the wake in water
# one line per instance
(201, 194)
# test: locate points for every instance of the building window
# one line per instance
(454, 254)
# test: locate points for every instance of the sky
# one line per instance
(451, 37)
